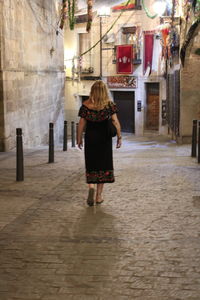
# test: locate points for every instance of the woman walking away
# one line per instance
(94, 120)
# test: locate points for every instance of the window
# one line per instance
(131, 35)
(84, 45)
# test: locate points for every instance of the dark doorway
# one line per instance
(152, 113)
(126, 105)
(84, 98)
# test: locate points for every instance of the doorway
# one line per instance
(125, 102)
(84, 98)
(152, 112)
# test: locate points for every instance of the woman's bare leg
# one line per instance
(91, 185)
(99, 192)
(90, 198)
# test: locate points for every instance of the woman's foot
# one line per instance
(99, 200)
(90, 199)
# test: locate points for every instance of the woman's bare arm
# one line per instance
(116, 123)
(81, 128)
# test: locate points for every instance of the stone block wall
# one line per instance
(190, 90)
(1, 86)
(32, 71)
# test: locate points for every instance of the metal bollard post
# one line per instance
(194, 139)
(51, 143)
(65, 136)
(19, 156)
(198, 158)
(73, 134)
(76, 132)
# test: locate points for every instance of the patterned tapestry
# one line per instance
(122, 82)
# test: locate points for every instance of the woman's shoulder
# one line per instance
(83, 111)
(111, 104)
(86, 103)
(112, 107)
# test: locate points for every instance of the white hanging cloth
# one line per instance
(157, 51)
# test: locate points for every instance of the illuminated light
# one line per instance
(103, 11)
(159, 6)
(68, 56)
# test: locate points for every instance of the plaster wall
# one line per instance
(32, 69)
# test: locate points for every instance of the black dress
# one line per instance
(98, 145)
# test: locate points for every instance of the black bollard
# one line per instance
(198, 158)
(194, 139)
(51, 143)
(65, 136)
(73, 134)
(76, 131)
(19, 156)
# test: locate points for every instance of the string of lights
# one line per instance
(147, 11)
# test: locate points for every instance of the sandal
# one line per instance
(90, 199)
(99, 202)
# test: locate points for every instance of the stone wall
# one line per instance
(1, 86)
(190, 90)
(32, 71)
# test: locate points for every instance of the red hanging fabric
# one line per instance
(125, 59)
(148, 49)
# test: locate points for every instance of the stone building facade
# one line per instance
(183, 83)
(190, 89)
(78, 89)
(31, 71)
(178, 86)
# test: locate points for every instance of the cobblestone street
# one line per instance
(142, 243)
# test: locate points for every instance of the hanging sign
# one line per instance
(122, 82)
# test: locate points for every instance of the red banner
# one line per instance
(148, 49)
(125, 59)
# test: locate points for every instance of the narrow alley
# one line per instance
(142, 243)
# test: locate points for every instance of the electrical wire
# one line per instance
(105, 33)
(70, 59)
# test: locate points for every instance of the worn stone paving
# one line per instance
(142, 243)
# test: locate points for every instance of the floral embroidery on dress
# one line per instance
(100, 176)
(97, 115)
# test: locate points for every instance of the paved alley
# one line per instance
(142, 243)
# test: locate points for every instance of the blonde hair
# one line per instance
(99, 94)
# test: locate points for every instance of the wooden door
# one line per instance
(152, 115)
(125, 102)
